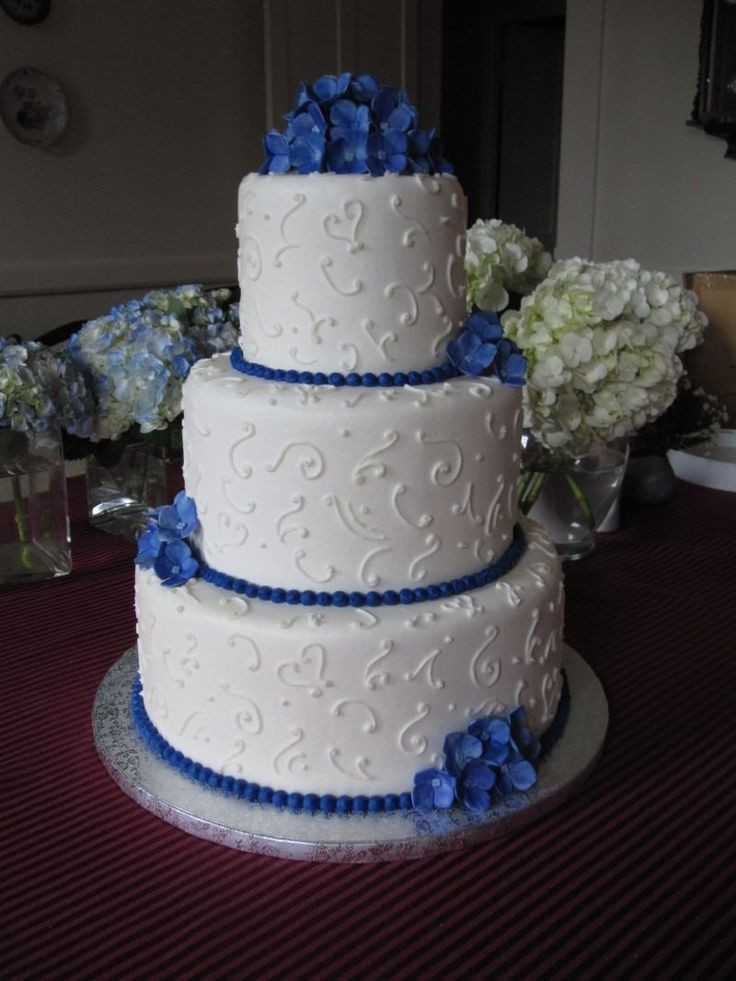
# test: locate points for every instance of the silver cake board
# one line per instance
(268, 830)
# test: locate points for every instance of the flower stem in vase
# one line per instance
(21, 518)
(582, 500)
(531, 485)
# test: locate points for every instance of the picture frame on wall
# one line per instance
(714, 107)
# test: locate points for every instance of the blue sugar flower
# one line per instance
(347, 156)
(523, 738)
(311, 120)
(176, 564)
(177, 520)
(437, 162)
(307, 153)
(389, 101)
(349, 120)
(386, 153)
(470, 354)
(276, 148)
(330, 87)
(433, 788)
(485, 324)
(418, 150)
(495, 735)
(516, 774)
(363, 87)
(474, 785)
(510, 364)
(459, 749)
(150, 547)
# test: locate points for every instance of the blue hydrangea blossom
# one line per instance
(490, 760)
(177, 520)
(150, 547)
(42, 389)
(175, 564)
(433, 788)
(481, 347)
(137, 356)
(348, 124)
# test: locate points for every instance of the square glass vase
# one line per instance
(120, 494)
(34, 515)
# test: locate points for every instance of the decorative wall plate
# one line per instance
(26, 11)
(33, 107)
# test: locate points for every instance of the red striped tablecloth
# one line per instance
(633, 877)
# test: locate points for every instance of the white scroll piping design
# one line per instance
(299, 200)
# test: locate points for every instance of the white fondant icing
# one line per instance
(344, 252)
(382, 509)
(409, 687)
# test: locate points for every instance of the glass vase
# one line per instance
(125, 482)
(572, 495)
(34, 516)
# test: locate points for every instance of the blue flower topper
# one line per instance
(489, 761)
(162, 548)
(481, 347)
(349, 124)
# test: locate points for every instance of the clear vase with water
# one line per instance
(34, 516)
(126, 482)
(572, 495)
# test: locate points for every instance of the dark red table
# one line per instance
(633, 877)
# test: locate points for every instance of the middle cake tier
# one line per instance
(321, 488)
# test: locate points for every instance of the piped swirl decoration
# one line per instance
(433, 788)
(162, 548)
(254, 792)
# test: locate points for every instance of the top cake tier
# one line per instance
(350, 273)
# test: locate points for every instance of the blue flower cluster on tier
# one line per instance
(349, 124)
(490, 760)
(162, 548)
(482, 347)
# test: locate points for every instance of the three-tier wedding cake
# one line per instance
(346, 581)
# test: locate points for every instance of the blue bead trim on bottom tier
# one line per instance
(254, 792)
(310, 803)
(385, 379)
(389, 597)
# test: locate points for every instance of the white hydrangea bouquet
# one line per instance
(139, 354)
(603, 342)
(501, 259)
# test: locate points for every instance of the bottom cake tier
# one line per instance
(345, 701)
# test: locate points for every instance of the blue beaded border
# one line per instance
(353, 379)
(389, 597)
(254, 792)
(310, 803)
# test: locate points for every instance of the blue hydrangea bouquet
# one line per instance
(40, 391)
(136, 358)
